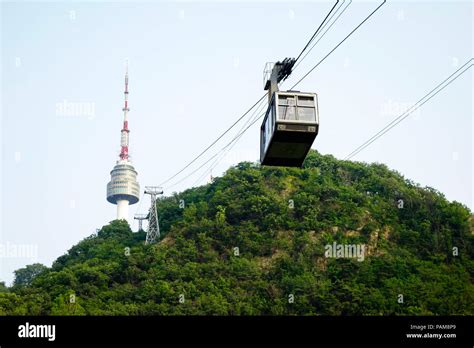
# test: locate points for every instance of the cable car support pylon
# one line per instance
(153, 231)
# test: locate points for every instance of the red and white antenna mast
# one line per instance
(125, 130)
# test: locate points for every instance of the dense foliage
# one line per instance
(253, 242)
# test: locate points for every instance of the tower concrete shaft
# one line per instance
(122, 209)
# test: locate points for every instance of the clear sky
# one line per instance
(195, 67)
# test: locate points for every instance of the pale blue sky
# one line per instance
(194, 68)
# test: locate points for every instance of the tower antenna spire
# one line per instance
(125, 131)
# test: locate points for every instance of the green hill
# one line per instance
(254, 242)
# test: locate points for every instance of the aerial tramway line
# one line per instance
(291, 121)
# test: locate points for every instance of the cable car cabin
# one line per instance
(289, 129)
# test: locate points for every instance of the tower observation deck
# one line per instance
(123, 188)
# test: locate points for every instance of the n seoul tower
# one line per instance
(123, 188)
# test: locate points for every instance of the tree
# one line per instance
(24, 276)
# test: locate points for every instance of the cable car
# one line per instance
(291, 122)
(289, 128)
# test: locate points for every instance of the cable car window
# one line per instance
(266, 134)
(286, 100)
(286, 112)
(305, 101)
(268, 128)
(306, 114)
